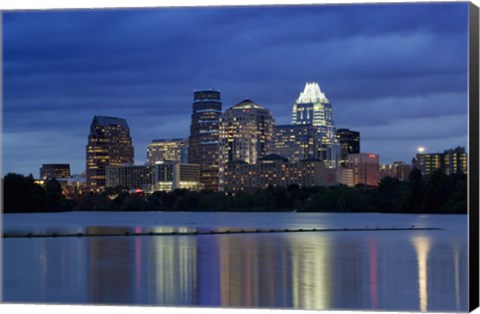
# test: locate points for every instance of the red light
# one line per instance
(372, 156)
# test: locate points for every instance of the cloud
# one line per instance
(379, 64)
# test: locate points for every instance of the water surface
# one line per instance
(415, 270)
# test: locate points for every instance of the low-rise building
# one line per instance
(276, 171)
(366, 168)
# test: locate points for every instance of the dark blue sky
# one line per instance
(395, 72)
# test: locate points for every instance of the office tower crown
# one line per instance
(247, 104)
(312, 94)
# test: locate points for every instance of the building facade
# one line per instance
(204, 136)
(312, 107)
(276, 171)
(295, 142)
(365, 167)
(349, 142)
(451, 161)
(167, 150)
(48, 171)
(398, 169)
(131, 176)
(246, 134)
(162, 176)
(109, 144)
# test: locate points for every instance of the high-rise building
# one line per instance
(166, 150)
(56, 171)
(295, 142)
(366, 168)
(246, 133)
(313, 108)
(109, 144)
(204, 136)
(349, 142)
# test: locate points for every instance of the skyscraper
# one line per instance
(295, 142)
(312, 107)
(204, 136)
(246, 133)
(109, 144)
(349, 142)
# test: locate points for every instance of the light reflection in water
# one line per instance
(311, 270)
(422, 247)
(319, 271)
(175, 269)
(373, 253)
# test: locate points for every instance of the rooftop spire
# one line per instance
(312, 94)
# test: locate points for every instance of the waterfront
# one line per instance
(421, 270)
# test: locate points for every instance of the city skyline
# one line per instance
(392, 81)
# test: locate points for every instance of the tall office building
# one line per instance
(109, 144)
(349, 142)
(295, 142)
(312, 107)
(246, 134)
(166, 150)
(204, 136)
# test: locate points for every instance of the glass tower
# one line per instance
(246, 134)
(204, 130)
(313, 108)
(109, 144)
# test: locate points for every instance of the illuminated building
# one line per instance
(166, 150)
(313, 108)
(397, 169)
(451, 161)
(130, 176)
(49, 171)
(349, 142)
(345, 176)
(276, 171)
(428, 163)
(162, 176)
(295, 142)
(366, 168)
(109, 144)
(455, 161)
(170, 176)
(204, 136)
(246, 134)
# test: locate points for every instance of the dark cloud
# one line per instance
(381, 65)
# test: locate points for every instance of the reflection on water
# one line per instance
(349, 270)
(422, 247)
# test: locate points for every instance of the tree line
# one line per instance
(438, 193)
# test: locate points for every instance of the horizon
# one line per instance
(392, 81)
